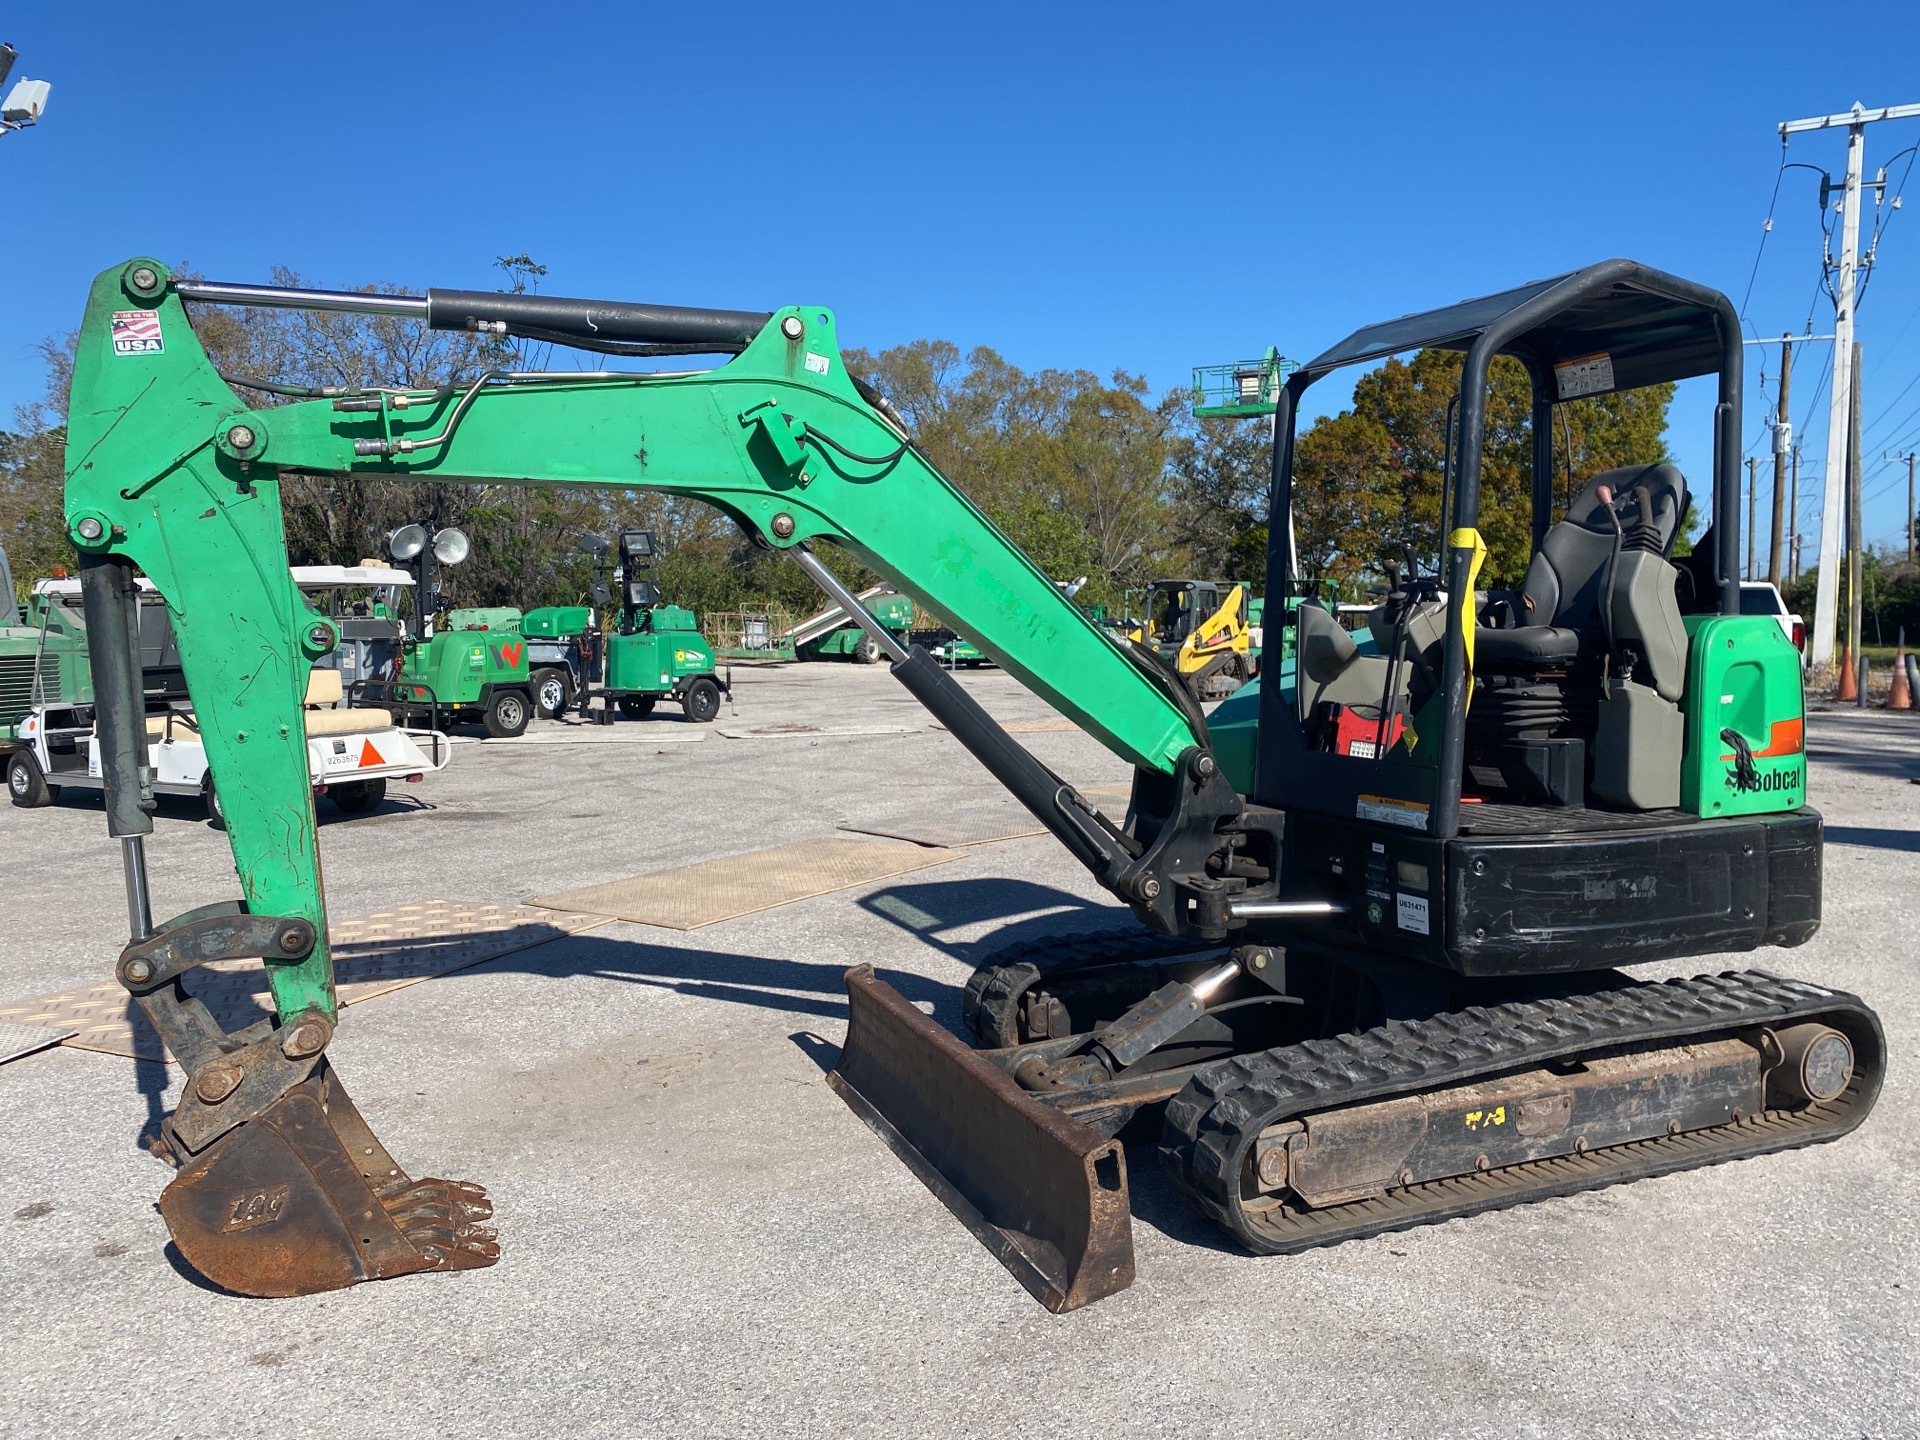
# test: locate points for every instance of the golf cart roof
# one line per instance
(1616, 325)
(69, 586)
(334, 577)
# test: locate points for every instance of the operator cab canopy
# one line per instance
(1650, 327)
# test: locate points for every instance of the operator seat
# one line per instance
(1558, 619)
(1600, 587)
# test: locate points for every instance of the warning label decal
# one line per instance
(1589, 375)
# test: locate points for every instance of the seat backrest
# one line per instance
(323, 687)
(1564, 580)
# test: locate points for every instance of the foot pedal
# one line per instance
(1044, 1192)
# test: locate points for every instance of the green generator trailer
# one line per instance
(656, 651)
(470, 671)
(663, 656)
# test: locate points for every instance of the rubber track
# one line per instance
(1212, 1124)
(991, 1004)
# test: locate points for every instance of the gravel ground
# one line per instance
(701, 1240)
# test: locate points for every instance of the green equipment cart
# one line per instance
(657, 650)
(470, 671)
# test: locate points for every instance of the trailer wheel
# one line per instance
(26, 784)
(551, 693)
(507, 714)
(867, 652)
(701, 700)
(636, 707)
(356, 797)
(216, 817)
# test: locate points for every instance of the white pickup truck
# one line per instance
(1758, 597)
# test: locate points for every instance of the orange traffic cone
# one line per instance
(1849, 686)
(1899, 697)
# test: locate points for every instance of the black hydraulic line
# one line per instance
(600, 321)
(807, 432)
(111, 600)
(1171, 685)
(1094, 843)
(297, 392)
(627, 348)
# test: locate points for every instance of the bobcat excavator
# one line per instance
(1364, 985)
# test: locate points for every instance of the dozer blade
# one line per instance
(303, 1199)
(1043, 1192)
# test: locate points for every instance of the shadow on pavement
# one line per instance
(1873, 839)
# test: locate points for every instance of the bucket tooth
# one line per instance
(1044, 1192)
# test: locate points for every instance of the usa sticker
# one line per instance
(137, 332)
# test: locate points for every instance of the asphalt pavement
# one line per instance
(700, 1239)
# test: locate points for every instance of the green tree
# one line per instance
(1073, 469)
(1367, 481)
(33, 476)
(1222, 477)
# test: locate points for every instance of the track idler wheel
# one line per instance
(302, 1199)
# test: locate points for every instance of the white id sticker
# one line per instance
(818, 364)
(1413, 913)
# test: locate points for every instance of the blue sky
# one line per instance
(1146, 187)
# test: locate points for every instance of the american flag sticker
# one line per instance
(137, 332)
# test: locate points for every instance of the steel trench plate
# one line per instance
(689, 897)
(372, 955)
(1043, 1192)
(18, 1039)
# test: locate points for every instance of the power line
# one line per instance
(1767, 229)
(1883, 217)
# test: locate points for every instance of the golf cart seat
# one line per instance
(1556, 619)
(324, 690)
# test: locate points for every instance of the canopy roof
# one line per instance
(328, 577)
(1616, 325)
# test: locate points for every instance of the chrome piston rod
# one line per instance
(357, 302)
(848, 602)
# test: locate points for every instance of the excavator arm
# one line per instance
(169, 472)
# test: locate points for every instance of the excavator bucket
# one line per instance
(303, 1199)
(1044, 1192)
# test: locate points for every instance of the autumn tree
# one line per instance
(1072, 468)
(1367, 480)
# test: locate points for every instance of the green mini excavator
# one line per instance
(1376, 900)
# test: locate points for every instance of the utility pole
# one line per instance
(1909, 458)
(1782, 428)
(1753, 518)
(1793, 519)
(1856, 121)
(1854, 526)
(1782, 433)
